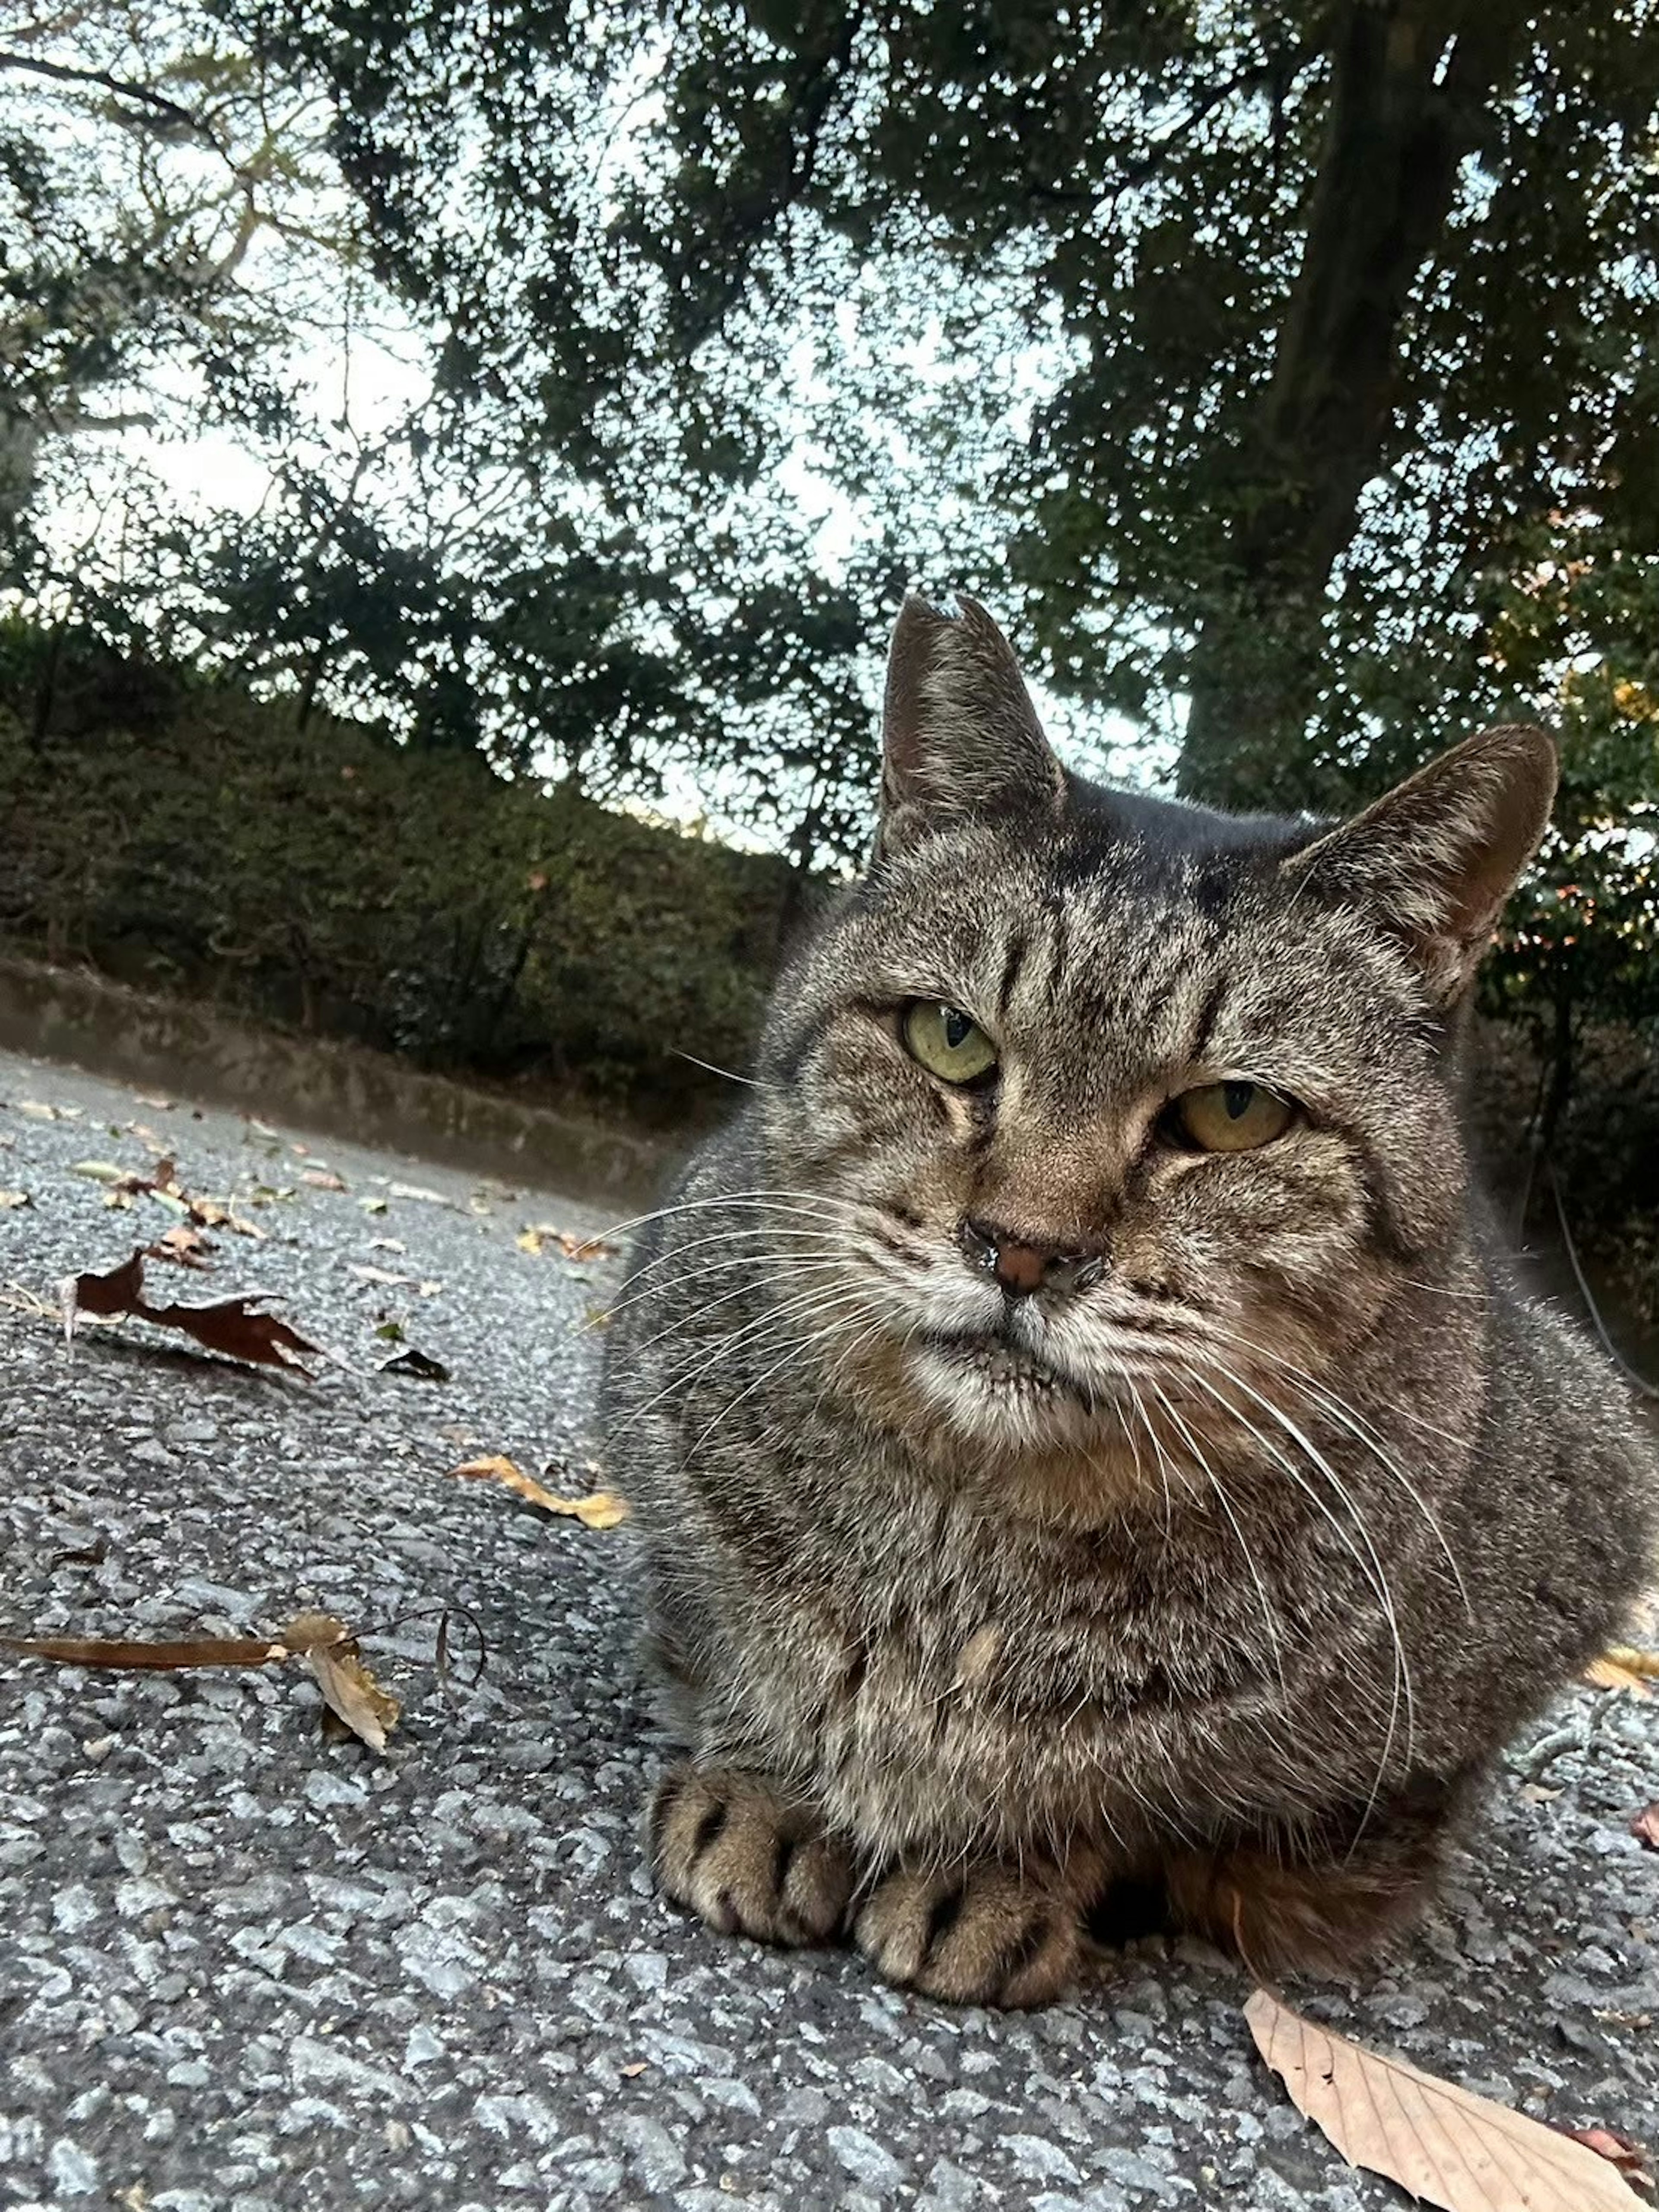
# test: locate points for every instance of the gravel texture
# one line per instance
(243, 1968)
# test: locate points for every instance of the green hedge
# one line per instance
(329, 880)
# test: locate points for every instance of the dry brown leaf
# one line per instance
(322, 1179)
(601, 1509)
(540, 1234)
(186, 1651)
(1634, 1660)
(327, 1647)
(1628, 2156)
(11, 1200)
(330, 1651)
(1645, 1826)
(184, 1245)
(1607, 1672)
(367, 1275)
(1444, 2144)
(235, 1326)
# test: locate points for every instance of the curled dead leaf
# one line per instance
(350, 1691)
(235, 1326)
(601, 1509)
(184, 1245)
(1444, 2144)
(11, 1200)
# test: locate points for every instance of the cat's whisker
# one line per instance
(761, 1233)
(751, 1262)
(748, 1082)
(1332, 1402)
(1374, 1573)
(830, 1265)
(859, 1301)
(809, 1203)
(686, 1375)
(1269, 1617)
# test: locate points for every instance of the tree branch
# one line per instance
(123, 87)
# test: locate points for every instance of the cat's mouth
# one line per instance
(995, 1364)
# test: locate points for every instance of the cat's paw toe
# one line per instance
(725, 1844)
(981, 1934)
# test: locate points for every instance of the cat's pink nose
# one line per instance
(1020, 1266)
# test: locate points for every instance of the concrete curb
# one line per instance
(338, 1090)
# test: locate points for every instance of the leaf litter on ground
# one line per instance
(324, 1644)
(600, 1509)
(1447, 2146)
(122, 1185)
(238, 1327)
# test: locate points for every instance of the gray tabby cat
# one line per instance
(1089, 1445)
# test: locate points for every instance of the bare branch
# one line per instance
(123, 87)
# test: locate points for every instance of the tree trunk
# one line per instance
(1412, 83)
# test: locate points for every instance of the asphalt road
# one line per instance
(243, 1968)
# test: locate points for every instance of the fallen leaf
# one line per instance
(1620, 2151)
(11, 1200)
(38, 1110)
(601, 1509)
(418, 1364)
(235, 1326)
(184, 1245)
(1607, 1672)
(326, 1645)
(367, 1275)
(106, 1171)
(322, 1179)
(633, 2073)
(154, 1098)
(415, 1190)
(1535, 1794)
(535, 1239)
(373, 1204)
(330, 1651)
(1645, 1826)
(388, 1244)
(1443, 2143)
(114, 1651)
(1634, 1660)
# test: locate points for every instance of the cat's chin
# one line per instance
(996, 1392)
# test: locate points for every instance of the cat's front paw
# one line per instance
(975, 1935)
(728, 1845)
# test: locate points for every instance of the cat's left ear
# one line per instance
(960, 740)
(1435, 859)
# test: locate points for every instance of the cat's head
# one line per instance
(1104, 1105)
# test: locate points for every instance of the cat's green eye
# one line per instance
(947, 1043)
(1231, 1117)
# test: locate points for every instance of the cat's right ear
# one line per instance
(961, 740)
